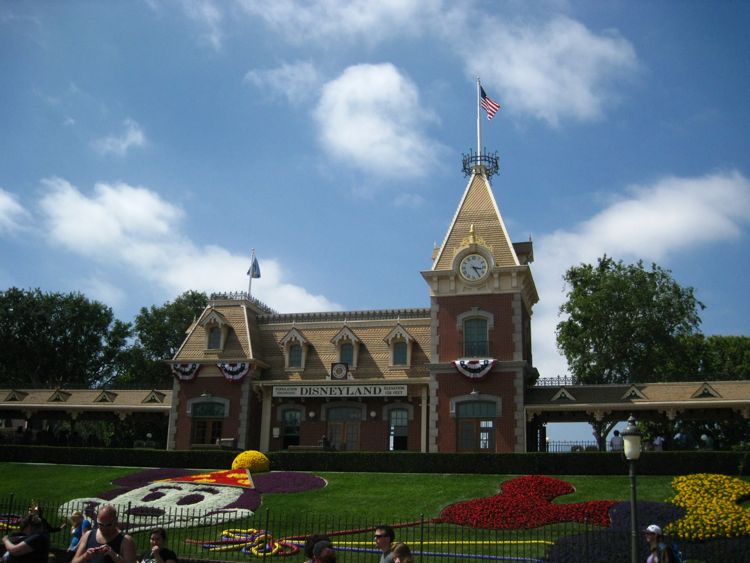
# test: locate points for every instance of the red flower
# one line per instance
(526, 502)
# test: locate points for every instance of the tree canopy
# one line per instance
(159, 333)
(58, 340)
(625, 323)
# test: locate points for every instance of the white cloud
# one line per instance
(206, 14)
(12, 213)
(408, 200)
(370, 117)
(342, 20)
(651, 222)
(132, 228)
(133, 136)
(297, 82)
(553, 71)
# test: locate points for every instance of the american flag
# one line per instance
(489, 105)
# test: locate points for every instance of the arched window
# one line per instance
(476, 343)
(347, 353)
(400, 353)
(295, 356)
(214, 338)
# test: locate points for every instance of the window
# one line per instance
(400, 343)
(295, 356)
(398, 429)
(475, 338)
(214, 338)
(399, 353)
(348, 347)
(346, 353)
(291, 423)
(295, 350)
(476, 425)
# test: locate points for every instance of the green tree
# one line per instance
(624, 323)
(58, 340)
(710, 358)
(159, 333)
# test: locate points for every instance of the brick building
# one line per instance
(447, 378)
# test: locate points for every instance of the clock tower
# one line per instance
(481, 298)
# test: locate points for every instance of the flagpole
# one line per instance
(479, 121)
(250, 276)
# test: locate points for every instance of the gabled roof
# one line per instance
(477, 209)
(232, 314)
(345, 334)
(294, 335)
(400, 333)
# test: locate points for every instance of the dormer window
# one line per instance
(217, 330)
(347, 345)
(295, 356)
(295, 350)
(346, 353)
(214, 338)
(400, 343)
(399, 353)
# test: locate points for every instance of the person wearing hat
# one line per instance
(660, 552)
(323, 552)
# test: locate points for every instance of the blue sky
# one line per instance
(147, 146)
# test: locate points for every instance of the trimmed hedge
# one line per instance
(580, 463)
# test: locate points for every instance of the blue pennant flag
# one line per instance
(254, 271)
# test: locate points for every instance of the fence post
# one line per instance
(421, 534)
(267, 545)
(127, 517)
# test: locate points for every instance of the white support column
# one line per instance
(265, 420)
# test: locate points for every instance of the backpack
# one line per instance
(675, 555)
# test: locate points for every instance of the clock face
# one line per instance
(474, 267)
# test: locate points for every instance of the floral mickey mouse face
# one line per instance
(149, 498)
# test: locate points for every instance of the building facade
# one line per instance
(448, 378)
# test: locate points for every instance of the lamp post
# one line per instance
(632, 438)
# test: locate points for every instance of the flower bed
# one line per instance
(711, 502)
(526, 502)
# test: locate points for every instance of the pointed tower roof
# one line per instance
(478, 218)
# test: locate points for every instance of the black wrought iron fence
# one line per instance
(236, 535)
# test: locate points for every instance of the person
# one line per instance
(310, 542)
(616, 443)
(32, 546)
(159, 552)
(658, 443)
(79, 525)
(323, 552)
(384, 536)
(402, 554)
(659, 551)
(106, 543)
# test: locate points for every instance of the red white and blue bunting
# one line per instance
(185, 372)
(475, 369)
(234, 372)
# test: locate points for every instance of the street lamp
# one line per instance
(632, 438)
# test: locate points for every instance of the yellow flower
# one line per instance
(252, 460)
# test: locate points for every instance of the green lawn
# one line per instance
(395, 495)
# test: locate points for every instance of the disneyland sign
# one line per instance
(325, 391)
